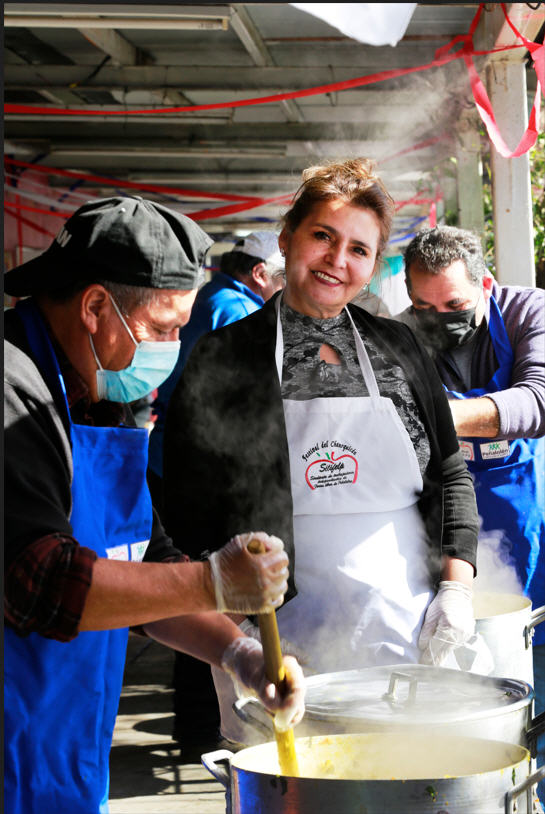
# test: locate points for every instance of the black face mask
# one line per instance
(445, 331)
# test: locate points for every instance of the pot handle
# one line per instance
(537, 616)
(244, 708)
(391, 696)
(221, 773)
(525, 786)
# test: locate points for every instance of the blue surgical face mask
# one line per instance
(152, 363)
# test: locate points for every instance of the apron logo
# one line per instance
(331, 471)
(138, 550)
(118, 552)
(495, 449)
(467, 450)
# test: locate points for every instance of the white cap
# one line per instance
(263, 245)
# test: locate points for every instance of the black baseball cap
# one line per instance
(120, 240)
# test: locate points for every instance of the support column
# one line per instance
(469, 176)
(511, 185)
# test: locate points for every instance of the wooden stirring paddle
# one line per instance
(276, 673)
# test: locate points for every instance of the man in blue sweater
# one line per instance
(249, 275)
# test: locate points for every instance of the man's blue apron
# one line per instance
(61, 699)
(510, 481)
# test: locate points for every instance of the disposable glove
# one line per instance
(449, 622)
(243, 661)
(287, 647)
(249, 583)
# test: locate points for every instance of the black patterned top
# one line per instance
(306, 376)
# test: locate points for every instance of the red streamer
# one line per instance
(443, 56)
(21, 219)
(480, 96)
(113, 182)
(433, 215)
(347, 84)
(26, 208)
(419, 146)
(19, 237)
(205, 214)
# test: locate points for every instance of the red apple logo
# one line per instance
(330, 469)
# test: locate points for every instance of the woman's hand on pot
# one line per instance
(249, 583)
(448, 623)
(243, 660)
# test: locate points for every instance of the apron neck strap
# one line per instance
(363, 358)
(504, 356)
(42, 350)
(498, 335)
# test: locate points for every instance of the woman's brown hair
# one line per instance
(354, 181)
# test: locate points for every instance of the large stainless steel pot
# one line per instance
(506, 622)
(379, 773)
(411, 697)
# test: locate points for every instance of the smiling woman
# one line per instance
(330, 428)
(329, 258)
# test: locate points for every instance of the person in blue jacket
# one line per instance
(95, 328)
(249, 275)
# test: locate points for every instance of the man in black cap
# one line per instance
(85, 553)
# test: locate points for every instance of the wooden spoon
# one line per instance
(276, 673)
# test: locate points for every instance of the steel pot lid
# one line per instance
(412, 693)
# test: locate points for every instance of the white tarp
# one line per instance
(371, 23)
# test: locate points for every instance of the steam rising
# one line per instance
(496, 571)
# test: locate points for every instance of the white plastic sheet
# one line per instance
(370, 23)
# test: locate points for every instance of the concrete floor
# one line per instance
(146, 772)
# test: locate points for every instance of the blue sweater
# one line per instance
(221, 301)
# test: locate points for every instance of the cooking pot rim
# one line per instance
(521, 603)
(478, 743)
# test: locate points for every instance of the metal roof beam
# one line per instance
(120, 50)
(242, 25)
(59, 15)
(250, 37)
(280, 145)
(164, 79)
(235, 78)
(123, 52)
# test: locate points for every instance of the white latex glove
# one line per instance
(448, 623)
(287, 647)
(249, 583)
(243, 660)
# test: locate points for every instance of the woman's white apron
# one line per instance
(361, 560)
